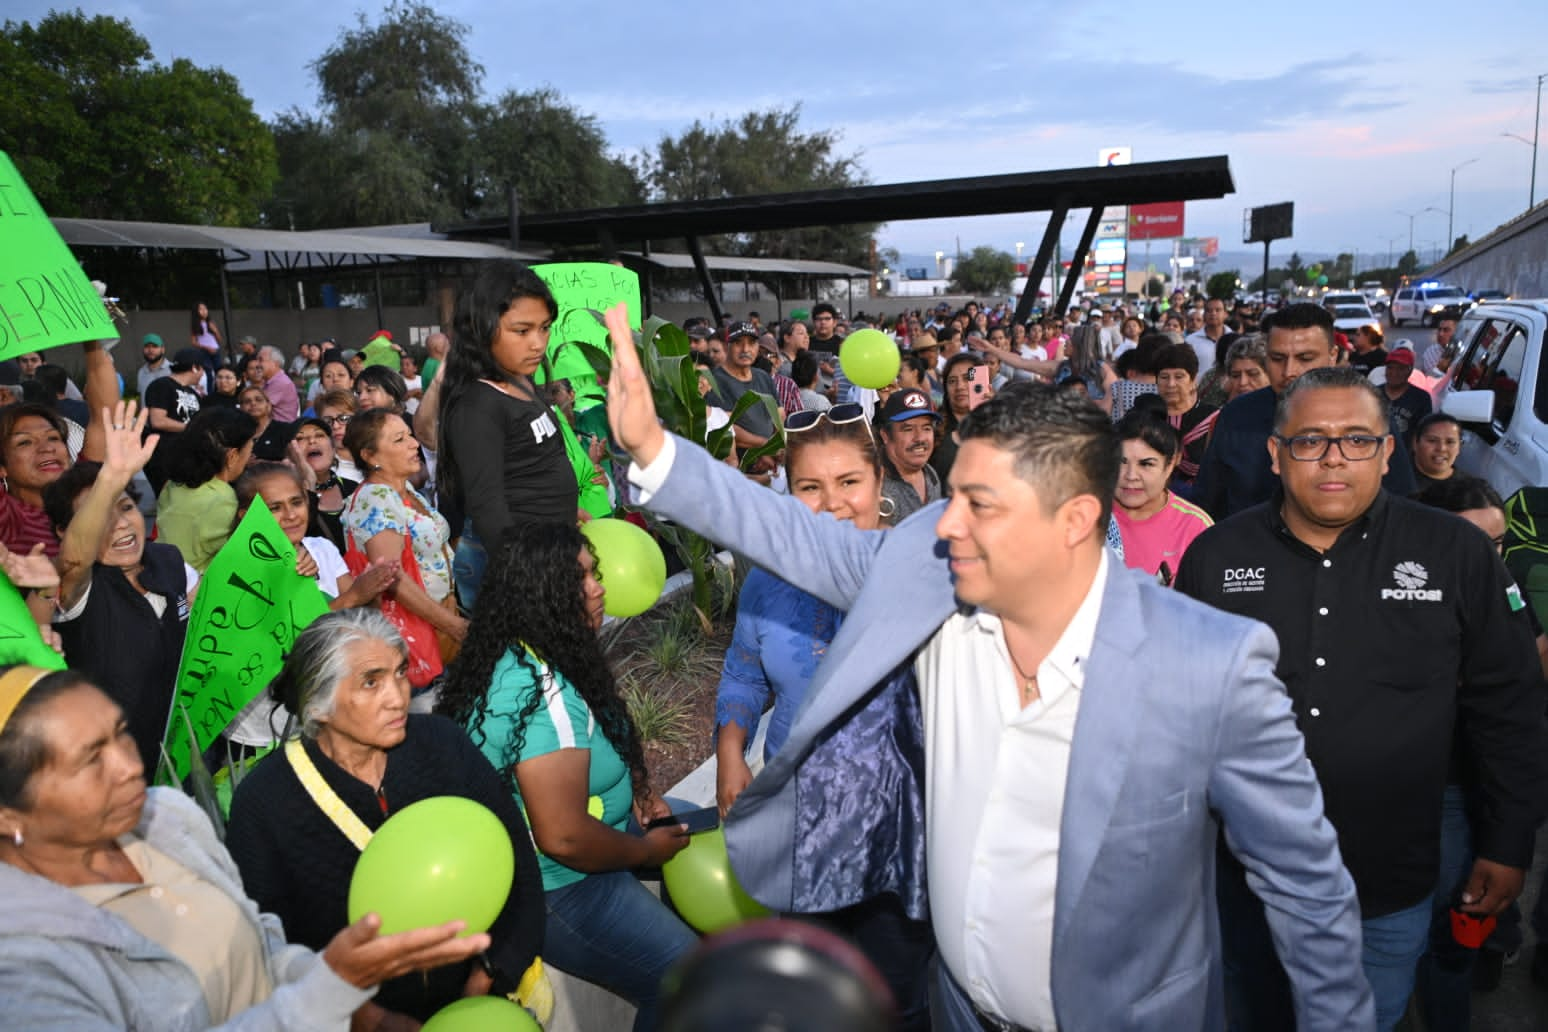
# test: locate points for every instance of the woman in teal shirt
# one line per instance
(534, 690)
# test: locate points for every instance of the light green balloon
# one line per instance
(441, 859)
(704, 889)
(869, 359)
(481, 1014)
(629, 564)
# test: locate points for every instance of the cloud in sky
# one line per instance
(1345, 109)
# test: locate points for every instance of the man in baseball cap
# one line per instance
(908, 423)
(1409, 403)
(156, 365)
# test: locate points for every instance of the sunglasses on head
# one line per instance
(847, 412)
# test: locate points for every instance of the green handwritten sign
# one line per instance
(582, 288)
(20, 640)
(250, 606)
(45, 298)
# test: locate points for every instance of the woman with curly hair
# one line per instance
(534, 690)
(501, 455)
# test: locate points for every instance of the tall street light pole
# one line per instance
(1451, 203)
(1410, 216)
(1537, 119)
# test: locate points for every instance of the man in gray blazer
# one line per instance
(1086, 732)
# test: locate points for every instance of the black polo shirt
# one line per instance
(1408, 627)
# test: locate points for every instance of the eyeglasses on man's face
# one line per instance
(1313, 447)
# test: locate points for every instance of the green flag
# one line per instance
(249, 608)
(20, 641)
(45, 298)
(582, 288)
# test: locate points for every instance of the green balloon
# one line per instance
(441, 859)
(869, 359)
(629, 564)
(1322, 281)
(704, 889)
(481, 1014)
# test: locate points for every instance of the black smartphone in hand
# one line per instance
(697, 820)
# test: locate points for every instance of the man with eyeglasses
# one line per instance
(1235, 473)
(1397, 625)
(825, 335)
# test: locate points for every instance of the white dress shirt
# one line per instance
(994, 798)
(994, 794)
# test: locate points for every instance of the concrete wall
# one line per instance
(1513, 258)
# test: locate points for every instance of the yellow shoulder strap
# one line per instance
(324, 796)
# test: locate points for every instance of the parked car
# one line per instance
(1427, 303)
(1478, 297)
(1498, 390)
(1347, 318)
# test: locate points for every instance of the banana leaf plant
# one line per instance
(667, 359)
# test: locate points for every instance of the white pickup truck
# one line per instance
(1497, 388)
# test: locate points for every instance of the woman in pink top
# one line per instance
(1156, 525)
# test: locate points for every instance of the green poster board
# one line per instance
(582, 288)
(249, 608)
(20, 639)
(45, 298)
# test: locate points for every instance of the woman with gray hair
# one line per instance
(355, 755)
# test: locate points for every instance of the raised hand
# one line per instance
(304, 468)
(128, 450)
(631, 410)
(29, 570)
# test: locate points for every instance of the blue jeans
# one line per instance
(609, 929)
(468, 565)
(1446, 971)
(950, 1008)
(1257, 991)
(1393, 944)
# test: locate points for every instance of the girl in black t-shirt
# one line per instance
(501, 454)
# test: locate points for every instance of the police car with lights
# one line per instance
(1427, 302)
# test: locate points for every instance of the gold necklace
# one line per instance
(1028, 684)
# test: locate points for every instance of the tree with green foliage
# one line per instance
(1461, 243)
(1408, 264)
(763, 152)
(1295, 268)
(985, 271)
(404, 135)
(99, 129)
(1222, 285)
(554, 154)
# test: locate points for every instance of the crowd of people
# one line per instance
(1150, 630)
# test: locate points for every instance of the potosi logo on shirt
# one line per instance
(1411, 578)
(543, 428)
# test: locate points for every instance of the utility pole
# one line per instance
(1451, 202)
(1537, 119)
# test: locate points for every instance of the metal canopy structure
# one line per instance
(238, 248)
(1057, 192)
(328, 245)
(734, 263)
